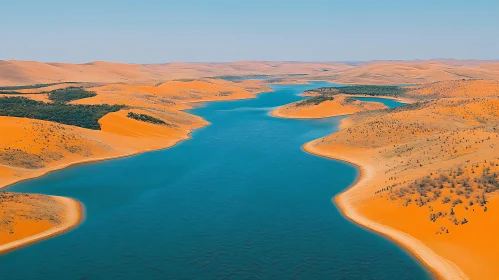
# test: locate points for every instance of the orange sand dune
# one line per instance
(375, 72)
(439, 168)
(456, 88)
(349, 203)
(341, 105)
(414, 72)
(174, 95)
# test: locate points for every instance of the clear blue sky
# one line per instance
(150, 31)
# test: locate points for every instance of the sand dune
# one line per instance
(375, 72)
(339, 106)
(456, 88)
(435, 162)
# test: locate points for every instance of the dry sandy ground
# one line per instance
(27, 218)
(459, 88)
(31, 148)
(339, 106)
(374, 72)
(429, 176)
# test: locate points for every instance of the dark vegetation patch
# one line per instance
(65, 95)
(239, 78)
(371, 90)
(145, 118)
(19, 158)
(86, 116)
(15, 92)
(316, 100)
(225, 93)
(36, 207)
(411, 106)
(33, 86)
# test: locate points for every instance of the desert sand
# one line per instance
(375, 72)
(27, 218)
(339, 106)
(435, 162)
(439, 265)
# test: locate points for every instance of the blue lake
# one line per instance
(240, 200)
(390, 103)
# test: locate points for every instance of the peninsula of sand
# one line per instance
(325, 107)
(428, 173)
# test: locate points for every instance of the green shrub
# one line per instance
(316, 100)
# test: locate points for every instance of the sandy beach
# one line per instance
(334, 108)
(73, 214)
(442, 267)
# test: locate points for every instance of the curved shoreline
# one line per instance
(89, 161)
(276, 112)
(73, 215)
(441, 267)
(74, 209)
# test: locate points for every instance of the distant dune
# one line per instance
(375, 72)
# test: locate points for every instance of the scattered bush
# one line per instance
(145, 118)
(316, 100)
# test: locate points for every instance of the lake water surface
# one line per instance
(240, 200)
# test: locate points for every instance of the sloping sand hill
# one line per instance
(335, 106)
(429, 176)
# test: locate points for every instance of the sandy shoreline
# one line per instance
(84, 161)
(74, 209)
(73, 214)
(287, 111)
(276, 114)
(441, 267)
